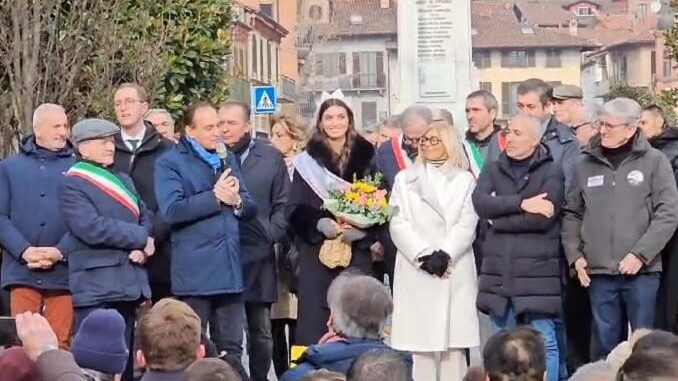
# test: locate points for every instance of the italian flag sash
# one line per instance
(106, 182)
(474, 157)
(402, 160)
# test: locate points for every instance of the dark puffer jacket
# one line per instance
(521, 264)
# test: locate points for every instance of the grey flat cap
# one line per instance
(563, 92)
(92, 128)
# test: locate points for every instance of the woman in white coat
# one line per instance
(435, 286)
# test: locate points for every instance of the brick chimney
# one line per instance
(385, 4)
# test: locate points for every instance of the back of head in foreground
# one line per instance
(359, 306)
(515, 355)
(650, 364)
(169, 337)
(381, 364)
(212, 369)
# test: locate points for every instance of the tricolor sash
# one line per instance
(401, 158)
(106, 182)
(475, 158)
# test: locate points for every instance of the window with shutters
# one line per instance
(368, 70)
(486, 86)
(482, 59)
(553, 58)
(667, 65)
(517, 58)
(509, 98)
(369, 113)
(254, 56)
(269, 60)
(261, 57)
(330, 64)
(653, 64)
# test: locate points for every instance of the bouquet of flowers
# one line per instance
(362, 204)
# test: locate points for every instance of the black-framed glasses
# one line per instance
(432, 140)
(411, 141)
(580, 125)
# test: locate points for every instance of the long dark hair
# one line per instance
(319, 135)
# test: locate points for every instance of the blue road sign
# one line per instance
(264, 100)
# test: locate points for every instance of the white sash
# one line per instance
(321, 180)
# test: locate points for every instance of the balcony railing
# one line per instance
(288, 87)
(346, 82)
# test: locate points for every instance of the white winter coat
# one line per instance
(435, 212)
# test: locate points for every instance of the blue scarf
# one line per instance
(212, 159)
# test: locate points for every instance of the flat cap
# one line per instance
(92, 128)
(567, 92)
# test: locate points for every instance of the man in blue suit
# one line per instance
(203, 197)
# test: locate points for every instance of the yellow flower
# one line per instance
(352, 196)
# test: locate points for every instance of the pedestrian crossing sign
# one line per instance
(264, 100)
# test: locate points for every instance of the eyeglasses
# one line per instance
(433, 141)
(599, 124)
(127, 102)
(575, 128)
(411, 141)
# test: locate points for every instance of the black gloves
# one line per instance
(435, 263)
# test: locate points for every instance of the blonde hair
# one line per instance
(451, 139)
(169, 336)
(295, 128)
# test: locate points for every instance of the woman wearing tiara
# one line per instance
(335, 154)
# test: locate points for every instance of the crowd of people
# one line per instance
(142, 251)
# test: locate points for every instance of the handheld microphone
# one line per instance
(222, 152)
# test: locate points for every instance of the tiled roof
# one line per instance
(544, 12)
(608, 38)
(496, 26)
(374, 20)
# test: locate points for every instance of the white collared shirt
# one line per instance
(127, 137)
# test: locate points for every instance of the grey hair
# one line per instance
(443, 114)
(372, 127)
(596, 371)
(393, 121)
(360, 305)
(592, 111)
(378, 364)
(160, 111)
(416, 111)
(45, 108)
(489, 100)
(536, 124)
(624, 108)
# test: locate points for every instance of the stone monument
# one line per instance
(434, 54)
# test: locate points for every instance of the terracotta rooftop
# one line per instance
(363, 18)
(496, 26)
(544, 13)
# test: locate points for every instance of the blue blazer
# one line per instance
(101, 234)
(29, 214)
(205, 235)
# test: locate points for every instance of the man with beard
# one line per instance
(481, 113)
(664, 138)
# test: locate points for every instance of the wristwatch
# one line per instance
(238, 206)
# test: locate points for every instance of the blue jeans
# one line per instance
(546, 326)
(611, 295)
(226, 317)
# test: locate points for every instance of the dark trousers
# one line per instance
(226, 317)
(128, 311)
(281, 346)
(160, 291)
(259, 339)
(578, 324)
(611, 296)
